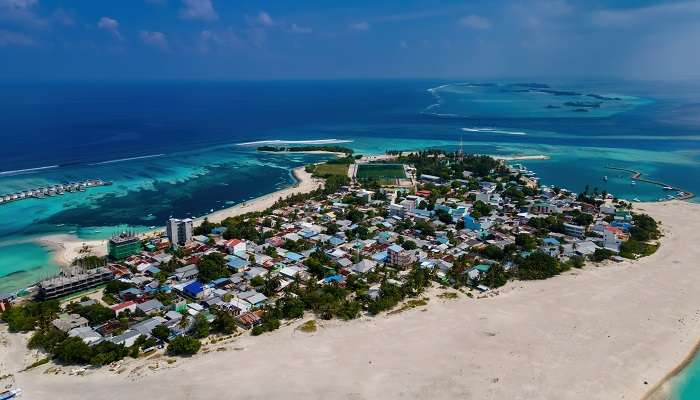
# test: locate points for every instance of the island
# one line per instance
(380, 239)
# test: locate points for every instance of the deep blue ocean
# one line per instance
(171, 147)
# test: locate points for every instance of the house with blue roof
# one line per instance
(237, 264)
(551, 241)
(380, 256)
(219, 230)
(194, 290)
(294, 257)
(307, 233)
(472, 223)
(333, 278)
(336, 241)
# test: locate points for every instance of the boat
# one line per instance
(605, 178)
(633, 183)
(10, 394)
(636, 199)
(667, 188)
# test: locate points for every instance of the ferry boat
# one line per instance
(10, 394)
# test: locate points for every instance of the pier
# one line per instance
(637, 176)
(53, 190)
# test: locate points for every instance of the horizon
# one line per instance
(439, 39)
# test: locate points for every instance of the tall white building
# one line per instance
(179, 231)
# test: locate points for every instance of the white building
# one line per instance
(179, 231)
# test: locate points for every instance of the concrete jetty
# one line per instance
(637, 176)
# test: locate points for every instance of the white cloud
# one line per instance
(225, 39)
(300, 29)
(198, 9)
(19, 12)
(360, 26)
(154, 39)
(265, 19)
(63, 17)
(8, 38)
(475, 22)
(631, 16)
(108, 23)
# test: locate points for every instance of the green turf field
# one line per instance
(331, 169)
(380, 171)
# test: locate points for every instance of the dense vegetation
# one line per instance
(330, 148)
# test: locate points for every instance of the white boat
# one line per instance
(605, 178)
(633, 183)
(636, 199)
(10, 394)
(668, 188)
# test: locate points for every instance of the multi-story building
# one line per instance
(575, 230)
(123, 245)
(72, 281)
(179, 231)
(399, 257)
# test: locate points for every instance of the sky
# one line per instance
(317, 39)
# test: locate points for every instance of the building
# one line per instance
(575, 230)
(72, 281)
(67, 322)
(86, 334)
(398, 257)
(179, 231)
(236, 247)
(613, 238)
(123, 245)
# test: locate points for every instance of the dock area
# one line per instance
(52, 190)
(637, 176)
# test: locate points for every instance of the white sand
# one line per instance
(65, 247)
(596, 333)
(517, 158)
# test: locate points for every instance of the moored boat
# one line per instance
(10, 394)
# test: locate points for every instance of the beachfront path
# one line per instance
(597, 333)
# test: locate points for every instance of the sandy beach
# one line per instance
(605, 332)
(65, 247)
(522, 158)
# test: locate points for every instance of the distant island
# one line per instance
(307, 149)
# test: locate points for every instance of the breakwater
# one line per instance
(637, 176)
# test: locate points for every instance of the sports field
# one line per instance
(380, 171)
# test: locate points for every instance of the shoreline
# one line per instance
(617, 327)
(662, 389)
(522, 158)
(65, 248)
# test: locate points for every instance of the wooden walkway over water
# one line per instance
(637, 176)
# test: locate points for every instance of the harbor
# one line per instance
(52, 190)
(637, 176)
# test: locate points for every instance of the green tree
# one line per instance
(200, 327)
(184, 346)
(224, 323)
(527, 242)
(161, 332)
(538, 265)
(73, 351)
(212, 266)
